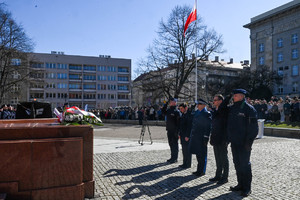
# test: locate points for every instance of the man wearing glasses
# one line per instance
(218, 138)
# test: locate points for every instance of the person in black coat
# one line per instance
(184, 133)
(199, 137)
(172, 126)
(242, 129)
(218, 138)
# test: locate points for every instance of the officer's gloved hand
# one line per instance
(205, 141)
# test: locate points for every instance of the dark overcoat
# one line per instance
(200, 132)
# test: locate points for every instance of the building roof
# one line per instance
(271, 13)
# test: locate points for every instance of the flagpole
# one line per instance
(196, 66)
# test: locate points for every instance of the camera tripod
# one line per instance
(144, 126)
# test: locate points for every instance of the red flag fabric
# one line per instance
(192, 17)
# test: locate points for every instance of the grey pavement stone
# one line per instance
(144, 174)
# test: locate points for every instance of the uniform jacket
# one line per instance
(172, 123)
(242, 127)
(219, 124)
(201, 127)
(185, 125)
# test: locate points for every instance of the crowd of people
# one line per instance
(277, 109)
(7, 112)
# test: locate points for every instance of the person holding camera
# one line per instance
(201, 127)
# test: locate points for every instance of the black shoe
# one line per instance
(199, 174)
(172, 161)
(222, 181)
(246, 193)
(236, 188)
(214, 179)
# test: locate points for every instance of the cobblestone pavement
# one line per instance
(144, 174)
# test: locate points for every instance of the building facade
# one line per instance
(212, 77)
(275, 43)
(100, 82)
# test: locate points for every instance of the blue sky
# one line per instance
(125, 28)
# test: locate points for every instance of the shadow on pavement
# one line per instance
(132, 171)
(159, 188)
(150, 176)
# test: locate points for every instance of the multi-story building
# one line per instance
(275, 43)
(213, 76)
(100, 82)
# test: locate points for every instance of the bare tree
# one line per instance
(169, 64)
(14, 46)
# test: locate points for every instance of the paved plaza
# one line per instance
(124, 169)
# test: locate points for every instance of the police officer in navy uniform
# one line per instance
(242, 129)
(218, 138)
(199, 137)
(184, 133)
(172, 125)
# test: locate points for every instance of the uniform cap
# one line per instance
(201, 101)
(239, 91)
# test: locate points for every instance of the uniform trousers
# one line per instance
(187, 156)
(241, 160)
(221, 156)
(173, 143)
(202, 158)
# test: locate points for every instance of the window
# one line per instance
(14, 100)
(74, 96)
(89, 96)
(111, 87)
(62, 85)
(89, 68)
(16, 62)
(122, 87)
(75, 67)
(101, 96)
(261, 47)
(279, 42)
(122, 96)
(15, 88)
(62, 76)
(89, 77)
(101, 87)
(36, 75)
(111, 69)
(16, 75)
(295, 70)
(62, 66)
(74, 76)
(111, 96)
(102, 78)
(261, 61)
(279, 57)
(123, 78)
(50, 65)
(50, 85)
(295, 53)
(123, 69)
(36, 85)
(280, 89)
(37, 95)
(280, 71)
(111, 78)
(50, 75)
(101, 68)
(89, 86)
(295, 86)
(294, 38)
(74, 86)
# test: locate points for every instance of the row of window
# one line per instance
(78, 86)
(294, 40)
(78, 77)
(294, 88)
(77, 96)
(294, 72)
(280, 57)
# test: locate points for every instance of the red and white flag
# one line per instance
(192, 17)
